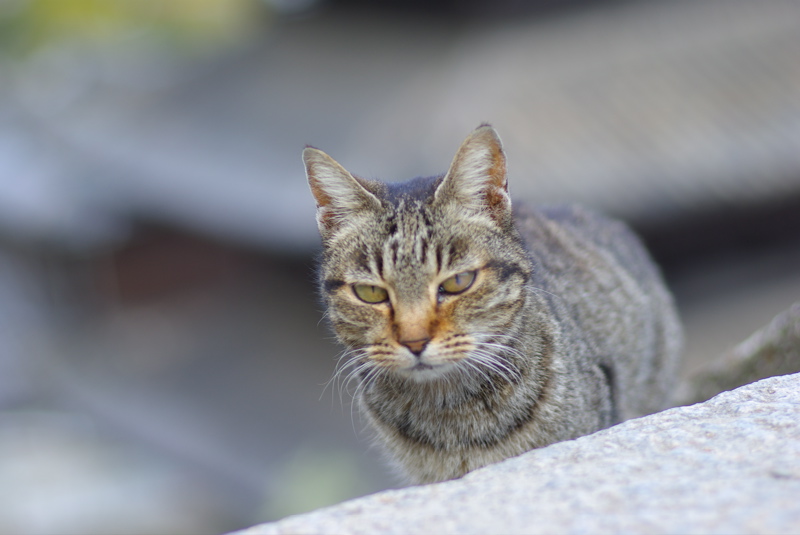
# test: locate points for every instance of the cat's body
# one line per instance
(476, 333)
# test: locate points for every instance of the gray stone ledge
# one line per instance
(729, 465)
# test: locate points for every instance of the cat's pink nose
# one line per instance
(416, 346)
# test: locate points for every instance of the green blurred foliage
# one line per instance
(29, 25)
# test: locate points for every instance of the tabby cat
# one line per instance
(476, 332)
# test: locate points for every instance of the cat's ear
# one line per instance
(477, 176)
(338, 193)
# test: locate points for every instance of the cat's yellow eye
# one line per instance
(458, 283)
(370, 294)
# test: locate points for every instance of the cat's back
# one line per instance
(574, 238)
(614, 307)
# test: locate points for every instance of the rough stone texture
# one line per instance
(729, 465)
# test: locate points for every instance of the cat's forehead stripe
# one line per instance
(379, 263)
(411, 245)
(392, 224)
(416, 190)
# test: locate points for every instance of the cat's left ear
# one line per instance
(477, 176)
(338, 193)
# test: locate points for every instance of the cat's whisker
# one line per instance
(356, 372)
(502, 343)
(501, 348)
(487, 356)
(513, 371)
(507, 340)
(496, 372)
(487, 378)
(325, 316)
(491, 361)
(367, 373)
(350, 363)
(372, 374)
(542, 290)
(498, 337)
(338, 369)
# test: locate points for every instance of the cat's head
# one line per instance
(426, 276)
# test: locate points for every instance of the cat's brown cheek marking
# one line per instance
(456, 344)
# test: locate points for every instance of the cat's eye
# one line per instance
(458, 283)
(370, 294)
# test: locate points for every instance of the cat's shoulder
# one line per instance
(571, 217)
(540, 225)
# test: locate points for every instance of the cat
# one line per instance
(477, 332)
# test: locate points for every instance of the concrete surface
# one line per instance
(729, 465)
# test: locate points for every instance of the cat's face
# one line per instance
(421, 278)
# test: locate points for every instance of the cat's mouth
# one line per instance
(425, 371)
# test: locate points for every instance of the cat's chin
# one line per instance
(422, 372)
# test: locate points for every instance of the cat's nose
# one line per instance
(416, 346)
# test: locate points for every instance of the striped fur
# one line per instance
(566, 329)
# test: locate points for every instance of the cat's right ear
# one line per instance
(477, 178)
(338, 193)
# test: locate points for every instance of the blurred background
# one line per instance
(162, 357)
